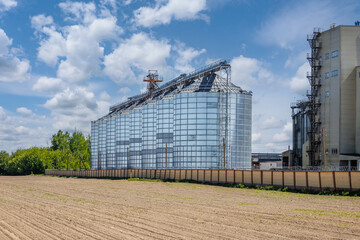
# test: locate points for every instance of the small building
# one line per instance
(287, 159)
(266, 161)
(270, 165)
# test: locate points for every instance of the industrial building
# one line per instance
(327, 126)
(198, 120)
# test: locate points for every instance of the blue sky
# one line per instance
(63, 63)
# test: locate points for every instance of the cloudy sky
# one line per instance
(63, 63)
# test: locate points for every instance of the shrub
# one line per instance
(25, 163)
(4, 159)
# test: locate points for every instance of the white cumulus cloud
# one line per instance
(124, 90)
(77, 49)
(271, 122)
(285, 134)
(255, 137)
(249, 72)
(105, 96)
(79, 11)
(183, 62)
(135, 56)
(6, 5)
(47, 84)
(12, 68)
(3, 115)
(24, 111)
(299, 83)
(172, 9)
(67, 100)
(24, 130)
(75, 108)
(39, 21)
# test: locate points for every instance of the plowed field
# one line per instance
(40, 207)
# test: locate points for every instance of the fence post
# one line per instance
(242, 177)
(218, 176)
(294, 179)
(261, 174)
(197, 175)
(252, 178)
(283, 179)
(307, 180)
(320, 181)
(272, 178)
(234, 176)
(225, 176)
(334, 180)
(211, 175)
(350, 184)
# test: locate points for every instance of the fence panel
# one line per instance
(289, 179)
(300, 179)
(172, 174)
(277, 178)
(181, 174)
(214, 176)
(201, 175)
(230, 177)
(247, 175)
(238, 176)
(176, 175)
(314, 180)
(194, 174)
(267, 177)
(355, 180)
(222, 176)
(257, 177)
(327, 180)
(342, 180)
(207, 177)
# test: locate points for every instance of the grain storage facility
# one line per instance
(198, 120)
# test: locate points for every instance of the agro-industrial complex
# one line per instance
(203, 121)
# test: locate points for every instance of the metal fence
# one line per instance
(320, 180)
(313, 168)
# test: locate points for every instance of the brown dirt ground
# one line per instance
(41, 207)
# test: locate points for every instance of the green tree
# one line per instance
(4, 159)
(80, 149)
(66, 152)
(60, 141)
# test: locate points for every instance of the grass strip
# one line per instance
(327, 192)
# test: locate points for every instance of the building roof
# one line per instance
(212, 83)
(204, 79)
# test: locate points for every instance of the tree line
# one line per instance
(67, 151)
